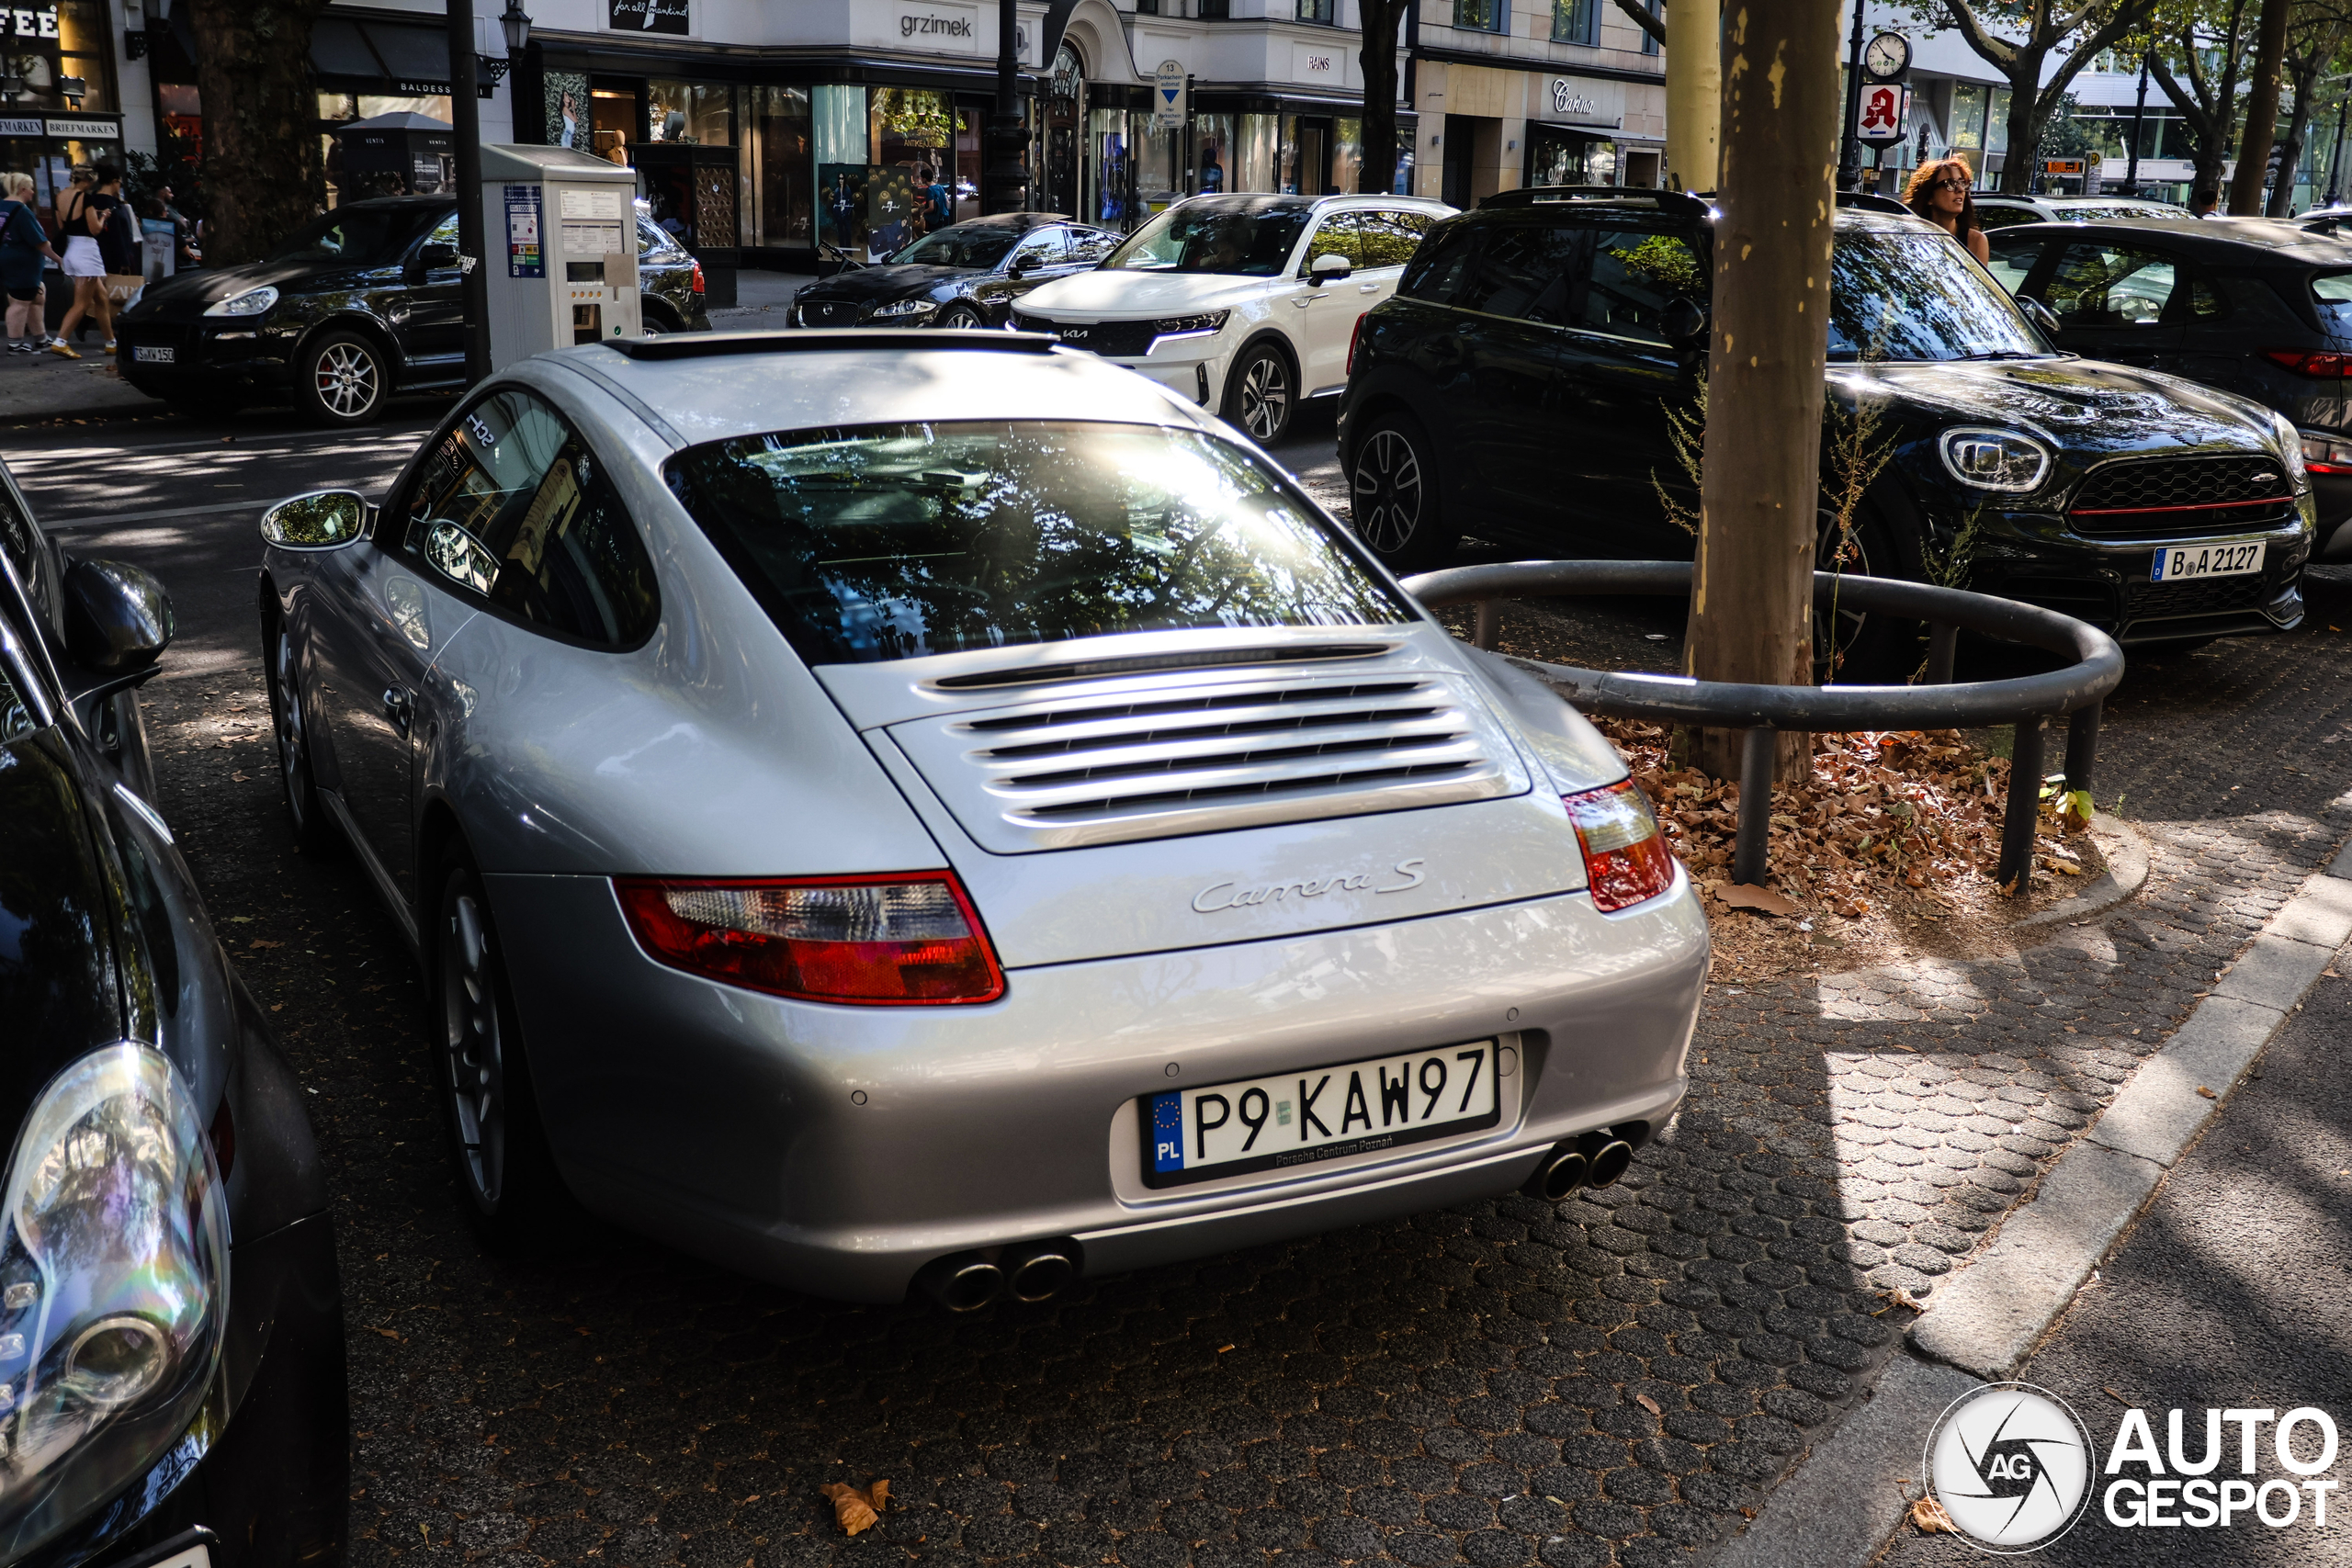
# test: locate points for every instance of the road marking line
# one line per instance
(86, 520)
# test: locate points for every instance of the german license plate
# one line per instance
(1196, 1134)
(2185, 561)
(155, 355)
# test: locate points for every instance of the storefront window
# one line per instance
(612, 114)
(969, 120)
(1107, 172)
(1260, 142)
(698, 112)
(49, 46)
(841, 134)
(787, 173)
(1997, 122)
(1213, 153)
(431, 108)
(1347, 154)
(1160, 165)
(1968, 114)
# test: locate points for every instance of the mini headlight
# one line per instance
(2001, 461)
(1207, 322)
(2291, 450)
(908, 307)
(114, 1288)
(252, 302)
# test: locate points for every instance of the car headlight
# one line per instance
(2294, 449)
(1202, 325)
(2003, 461)
(114, 1287)
(908, 307)
(252, 302)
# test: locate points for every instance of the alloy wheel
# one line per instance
(1265, 397)
(956, 317)
(471, 1044)
(346, 378)
(1388, 491)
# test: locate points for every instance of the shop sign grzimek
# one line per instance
(936, 28)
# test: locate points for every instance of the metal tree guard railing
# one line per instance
(2075, 693)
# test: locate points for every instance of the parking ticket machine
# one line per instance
(561, 232)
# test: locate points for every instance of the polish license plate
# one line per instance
(2180, 564)
(1227, 1129)
(155, 355)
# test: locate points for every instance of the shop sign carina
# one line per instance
(1581, 101)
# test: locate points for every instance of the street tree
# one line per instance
(1691, 34)
(2261, 110)
(2020, 38)
(1381, 21)
(2317, 38)
(2196, 52)
(263, 175)
(1751, 591)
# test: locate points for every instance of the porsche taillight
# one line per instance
(1625, 857)
(903, 939)
(697, 284)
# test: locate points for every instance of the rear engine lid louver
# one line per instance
(1191, 756)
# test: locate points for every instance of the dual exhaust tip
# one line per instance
(1032, 1272)
(1592, 1159)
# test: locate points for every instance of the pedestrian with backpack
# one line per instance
(88, 215)
(24, 251)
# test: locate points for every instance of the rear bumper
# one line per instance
(839, 1149)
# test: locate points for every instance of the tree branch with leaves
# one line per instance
(2019, 38)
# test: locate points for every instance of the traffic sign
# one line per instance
(1881, 114)
(1169, 91)
(2066, 165)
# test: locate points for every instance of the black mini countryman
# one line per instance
(1520, 384)
(171, 1329)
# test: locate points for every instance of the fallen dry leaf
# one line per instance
(263, 942)
(390, 1334)
(1928, 1517)
(1901, 1297)
(857, 1509)
(2207, 1093)
(1647, 1402)
(1748, 896)
(2115, 1396)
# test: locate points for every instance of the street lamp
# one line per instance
(515, 23)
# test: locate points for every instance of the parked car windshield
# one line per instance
(962, 244)
(362, 236)
(898, 541)
(1914, 297)
(1247, 236)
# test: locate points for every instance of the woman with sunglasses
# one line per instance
(1939, 193)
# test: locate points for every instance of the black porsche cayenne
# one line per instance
(1518, 387)
(965, 275)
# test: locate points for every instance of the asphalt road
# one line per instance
(1483, 1383)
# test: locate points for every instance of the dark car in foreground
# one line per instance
(2256, 305)
(967, 275)
(171, 1336)
(1521, 386)
(364, 302)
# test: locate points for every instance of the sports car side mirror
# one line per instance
(322, 520)
(1328, 268)
(1683, 323)
(118, 617)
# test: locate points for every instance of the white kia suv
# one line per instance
(1245, 304)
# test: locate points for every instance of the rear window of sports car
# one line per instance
(901, 541)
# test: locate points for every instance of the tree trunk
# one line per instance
(1752, 598)
(2261, 111)
(2027, 119)
(262, 167)
(1380, 18)
(2298, 125)
(1694, 93)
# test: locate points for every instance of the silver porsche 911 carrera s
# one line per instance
(887, 810)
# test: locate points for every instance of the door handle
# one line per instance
(1304, 300)
(1367, 289)
(397, 708)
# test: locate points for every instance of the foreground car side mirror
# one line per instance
(432, 255)
(118, 617)
(1683, 323)
(1328, 268)
(322, 520)
(2039, 314)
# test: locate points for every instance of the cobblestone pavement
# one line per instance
(1612, 1379)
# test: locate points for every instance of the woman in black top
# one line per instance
(1939, 193)
(91, 217)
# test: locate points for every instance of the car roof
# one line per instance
(721, 385)
(1022, 220)
(1884, 219)
(1262, 201)
(2245, 241)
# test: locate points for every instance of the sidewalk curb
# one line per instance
(1985, 1323)
(2126, 873)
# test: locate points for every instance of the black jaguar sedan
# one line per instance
(1519, 385)
(967, 275)
(364, 302)
(170, 1330)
